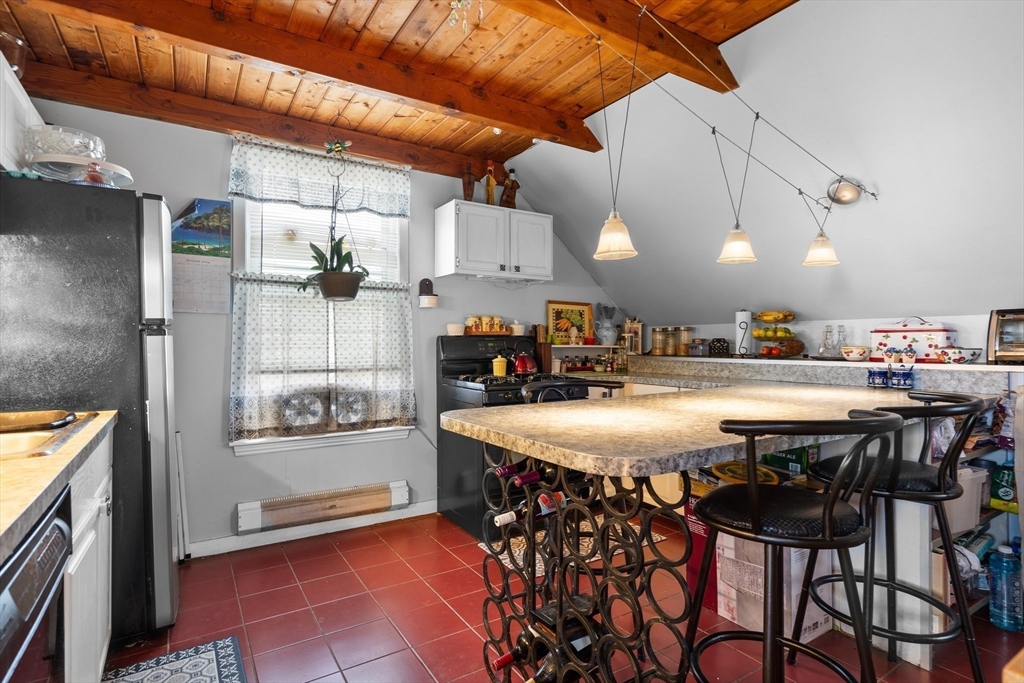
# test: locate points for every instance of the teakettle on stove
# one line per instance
(525, 364)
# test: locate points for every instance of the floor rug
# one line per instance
(518, 545)
(217, 662)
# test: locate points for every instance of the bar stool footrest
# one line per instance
(758, 636)
(950, 613)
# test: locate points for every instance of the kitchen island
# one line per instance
(604, 541)
(650, 435)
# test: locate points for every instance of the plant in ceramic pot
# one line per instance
(338, 277)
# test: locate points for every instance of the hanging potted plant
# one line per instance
(338, 277)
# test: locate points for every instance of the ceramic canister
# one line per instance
(902, 379)
(499, 365)
(878, 378)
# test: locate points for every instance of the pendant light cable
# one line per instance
(652, 80)
(617, 178)
(737, 208)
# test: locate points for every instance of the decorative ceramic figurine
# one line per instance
(603, 326)
(468, 183)
(508, 195)
(489, 183)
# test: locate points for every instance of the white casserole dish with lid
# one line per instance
(915, 333)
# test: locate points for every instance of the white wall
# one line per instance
(922, 101)
(183, 163)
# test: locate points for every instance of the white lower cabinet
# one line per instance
(87, 577)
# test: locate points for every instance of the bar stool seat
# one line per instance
(794, 517)
(913, 477)
(786, 512)
(917, 482)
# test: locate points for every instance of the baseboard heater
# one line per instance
(321, 506)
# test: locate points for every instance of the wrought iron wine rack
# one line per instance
(581, 572)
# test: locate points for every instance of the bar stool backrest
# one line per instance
(554, 389)
(873, 425)
(936, 405)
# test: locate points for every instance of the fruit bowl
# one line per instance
(773, 334)
(856, 353)
(957, 354)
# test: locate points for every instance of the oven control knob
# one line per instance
(508, 396)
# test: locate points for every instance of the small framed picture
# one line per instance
(569, 322)
(632, 329)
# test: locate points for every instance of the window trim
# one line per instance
(290, 444)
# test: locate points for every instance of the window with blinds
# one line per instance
(279, 237)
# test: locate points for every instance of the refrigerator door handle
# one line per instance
(156, 260)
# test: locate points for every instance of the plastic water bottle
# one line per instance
(1006, 610)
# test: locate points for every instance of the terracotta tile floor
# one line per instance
(402, 603)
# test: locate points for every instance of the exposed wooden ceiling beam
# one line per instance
(122, 97)
(615, 22)
(223, 35)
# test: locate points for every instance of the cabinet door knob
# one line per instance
(106, 504)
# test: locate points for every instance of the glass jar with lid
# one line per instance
(699, 348)
(658, 341)
(671, 339)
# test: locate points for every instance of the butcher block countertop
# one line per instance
(29, 485)
(657, 434)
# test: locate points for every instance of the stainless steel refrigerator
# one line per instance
(85, 324)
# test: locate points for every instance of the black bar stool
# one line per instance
(917, 482)
(793, 517)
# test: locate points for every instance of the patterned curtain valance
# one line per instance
(262, 171)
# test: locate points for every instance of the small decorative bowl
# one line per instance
(590, 341)
(855, 353)
(957, 354)
(456, 329)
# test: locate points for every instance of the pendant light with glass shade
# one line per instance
(820, 253)
(737, 247)
(614, 243)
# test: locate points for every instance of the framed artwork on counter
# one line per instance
(569, 322)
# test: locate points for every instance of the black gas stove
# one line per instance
(501, 390)
(465, 380)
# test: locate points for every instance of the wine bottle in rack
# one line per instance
(510, 470)
(546, 503)
(548, 473)
(518, 655)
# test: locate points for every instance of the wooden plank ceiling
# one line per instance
(391, 75)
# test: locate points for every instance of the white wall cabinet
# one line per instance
(87, 577)
(17, 113)
(492, 241)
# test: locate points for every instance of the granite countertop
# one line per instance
(29, 485)
(661, 433)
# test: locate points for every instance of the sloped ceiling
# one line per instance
(923, 102)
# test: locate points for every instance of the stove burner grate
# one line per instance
(510, 380)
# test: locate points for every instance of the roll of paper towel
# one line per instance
(744, 342)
